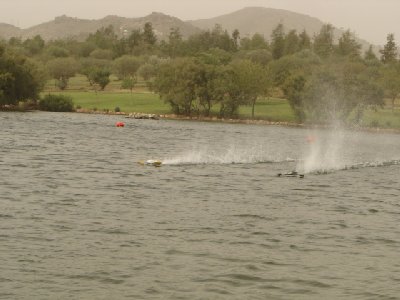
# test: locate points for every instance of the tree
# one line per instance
(128, 83)
(97, 71)
(176, 83)
(149, 69)
(34, 45)
(175, 43)
(205, 90)
(57, 51)
(370, 54)
(304, 41)
(391, 81)
(211, 64)
(139, 42)
(193, 86)
(126, 66)
(361, 88)
(294, 88)
(236, 38)
(291, 43)
(257, 41)
(135, 39)
(206, 40)
(335, 90)
(221, 39)
(15, 42)
(56, 103)
(20, 78)
(64, 47)
(242, 82)
(148, 34)
(389, 51)
(252, 80)
(102, 54)
(302, 62)
(323, 42)
(291, 74)
(62, 69)
(103, 38)
(278, 41)
(259, 56)
(215, 56)
(100, 77)
(348, 45)
(86, 48)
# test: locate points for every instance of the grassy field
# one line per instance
(84, 96)
(141, 100)
(127, 102)
(383, 118)
(271, 109)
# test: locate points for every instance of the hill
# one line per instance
(251, 20)
(7, 31)
(68, 27)
(248, 21)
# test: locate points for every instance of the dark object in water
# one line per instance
(291, 174)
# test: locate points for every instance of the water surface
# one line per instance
(80, 219)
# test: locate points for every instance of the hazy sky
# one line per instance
(370, 19)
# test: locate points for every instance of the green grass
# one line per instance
(84, 96)
(141, 100)
(383, 118)
(271, 109)
(81, 83)
(127, 102)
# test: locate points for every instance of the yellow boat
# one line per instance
(151, 162)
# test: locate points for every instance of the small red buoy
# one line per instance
(310, 139)
(119, 124)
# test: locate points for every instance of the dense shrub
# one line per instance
(56, 103)
(20, 77)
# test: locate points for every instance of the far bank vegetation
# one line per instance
(212, 73)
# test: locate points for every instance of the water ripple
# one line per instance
(80, 219)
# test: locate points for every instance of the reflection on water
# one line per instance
(80, 219)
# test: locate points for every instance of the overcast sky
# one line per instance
(370, 19)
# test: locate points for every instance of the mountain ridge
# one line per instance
(70, 27)
(263, 20)
(248, 21)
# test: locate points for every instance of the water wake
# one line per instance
(336, 150)
(231, 155)
(356, 166)
(325, 153)
(388, 163)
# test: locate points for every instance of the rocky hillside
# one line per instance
(65, 27)
(263, 20)
(7, 31)
(248, 21)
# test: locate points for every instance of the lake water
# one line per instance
(81, 219)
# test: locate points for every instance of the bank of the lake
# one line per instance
(267, 110)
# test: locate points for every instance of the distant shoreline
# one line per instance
(220, 120)
(242, 121)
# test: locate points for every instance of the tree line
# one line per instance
(322, 76)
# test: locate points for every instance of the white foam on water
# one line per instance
(325, 153)
(337, 149)
(231, 155)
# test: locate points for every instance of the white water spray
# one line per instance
(325, 152)
(231, 155)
